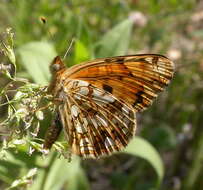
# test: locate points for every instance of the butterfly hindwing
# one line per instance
(97, 123)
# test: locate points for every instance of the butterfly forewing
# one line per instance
(99, 99)
(135, 79)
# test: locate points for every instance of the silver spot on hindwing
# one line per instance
(74, 110)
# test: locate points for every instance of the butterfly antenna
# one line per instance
(44, 22)
(69, 48)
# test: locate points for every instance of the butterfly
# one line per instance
(99, 99)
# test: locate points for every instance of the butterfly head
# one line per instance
(56, 65)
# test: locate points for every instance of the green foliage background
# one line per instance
(172, 126)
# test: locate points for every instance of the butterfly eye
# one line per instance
(55, 67)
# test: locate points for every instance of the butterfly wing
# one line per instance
(100, 98)
(95, 122)
(137, 79)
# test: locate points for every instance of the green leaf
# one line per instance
(116, 41)
(61, 172)
(36, 57)
(83, 33)
(81, 53)
(77, 178)
(8, 46)
(14, 164)
(143, 149)
(5, 171)
(23, 181)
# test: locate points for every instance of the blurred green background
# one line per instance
(168, 154)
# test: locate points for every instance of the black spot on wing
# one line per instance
(107, 88)
(139, 99)
(155, 60)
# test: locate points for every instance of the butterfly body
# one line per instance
(100, 98)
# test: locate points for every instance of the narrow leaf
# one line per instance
(143, 149)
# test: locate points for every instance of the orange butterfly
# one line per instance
(100, 98)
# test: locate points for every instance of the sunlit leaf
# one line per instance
(143, 149)
(81, 53)
(116, 41)
(36, 57)
(60, 172)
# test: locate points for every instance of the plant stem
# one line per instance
(47, 169)
(196, 165)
